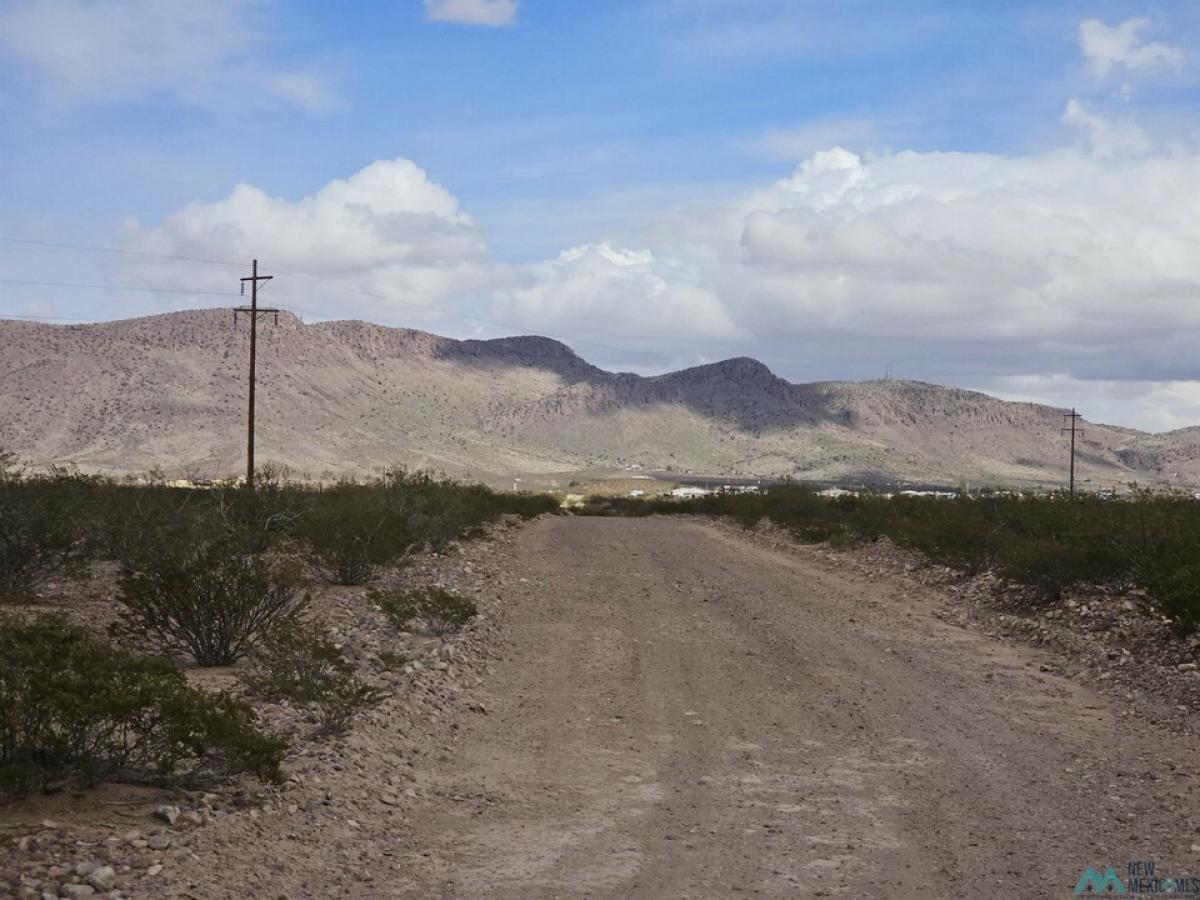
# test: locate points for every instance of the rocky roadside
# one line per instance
(123, 842)
(1106, 638)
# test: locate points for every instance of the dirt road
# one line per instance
(681, 713)
(673, 710)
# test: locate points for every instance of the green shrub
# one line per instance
(1049, 567)
(261, 519)
(1162, 541)
(352, 531)
(391, 660)
(72, 707)
(49, 524)
(213, 602)
(298, 664)
(1176, 591)
(40, 534)
(137, 525)
(1049, 544)
(434, 609)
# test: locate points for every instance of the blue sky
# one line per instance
(629, 176)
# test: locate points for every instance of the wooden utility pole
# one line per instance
(254, 312)
(1074, 417)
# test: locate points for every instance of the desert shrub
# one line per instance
(1161, 539)
(1048, 567)
(392, 660)
(439, 510)
(48, 525)
(352, 531)
(1048, 543)
(1176, 591)
(955, 533)
(434, 609)
(263, 518)
(213, 602)
(296, 663)
(136, 525)
(40, 534)
(73, 707)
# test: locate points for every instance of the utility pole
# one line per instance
(254, 312)
(1074, 417)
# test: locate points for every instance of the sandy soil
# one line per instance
(662, 708)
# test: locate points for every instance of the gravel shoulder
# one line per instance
(664, 707)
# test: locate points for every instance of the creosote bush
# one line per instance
(434, 609)
(40, 529)
(74, 708)
(212, 601)
(392, 660)
(352, 531)
(55, 524)
(296, 663)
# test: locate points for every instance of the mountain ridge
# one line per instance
(347, 397)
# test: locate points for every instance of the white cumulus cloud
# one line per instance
(472, 12)
(1108, 47)
(612, 293)
(1106, 137)
(1069, 269)
(387, 230)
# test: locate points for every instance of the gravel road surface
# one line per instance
(679, 712)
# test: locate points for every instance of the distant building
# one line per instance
(690, 492)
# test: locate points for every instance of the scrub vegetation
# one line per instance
(1149, 541)
(211, 577)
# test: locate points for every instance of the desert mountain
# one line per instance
(350, 397)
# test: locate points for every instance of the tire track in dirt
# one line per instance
(681, 713)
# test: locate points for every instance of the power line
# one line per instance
(115, 251)
(507, 326)
(114, 287)
(224, 262)
(44, 318)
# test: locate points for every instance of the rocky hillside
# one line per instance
(349, 397)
